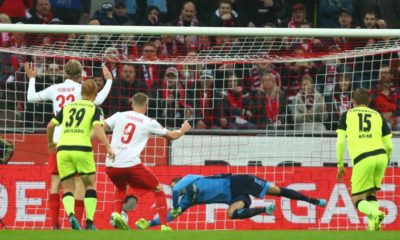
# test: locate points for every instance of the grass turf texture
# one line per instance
(193, 235)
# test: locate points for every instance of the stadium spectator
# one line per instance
(169, 104)
(261, 12)
(207, 101)
(70, 12)
(225, 16)
(121, 14)
(152, 18)
(131, 130)
(299, 17)
(5, 36)
(309, 108)
(125, 88)
(170, 47)
(390, 12)
(253, 81)
(16, 9)
(106, 15)
(269, 104)
(189, 73)
(326, 76)
(329, 12)
(384, 97)
(148, 72)
(236, 105)
(339, 101)
(188, 18)
(232, 189)
(43, 13)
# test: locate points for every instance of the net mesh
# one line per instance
(258, 105)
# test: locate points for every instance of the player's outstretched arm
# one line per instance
(178, 133)
(102, 95)
(101, 135)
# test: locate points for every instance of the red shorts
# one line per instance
(52, 164)
(138, 177)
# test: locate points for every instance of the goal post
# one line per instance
(262, 101)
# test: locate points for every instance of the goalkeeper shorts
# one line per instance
(368, 174)
(70, 162)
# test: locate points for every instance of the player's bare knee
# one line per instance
(158, 188)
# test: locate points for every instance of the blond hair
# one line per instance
(275, 88)
(89, 89)
(73, 70)
(139, 100)
(4, 18)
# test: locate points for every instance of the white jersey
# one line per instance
(62, 94)
(131, 130)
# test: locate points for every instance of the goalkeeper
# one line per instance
(234, 190)
(369, 142)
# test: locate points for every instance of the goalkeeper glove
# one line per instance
(176, 211)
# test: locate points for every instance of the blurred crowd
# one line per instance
(308, 96)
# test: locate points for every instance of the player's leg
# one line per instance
(381, 162)
(54, 195)
(362, 185)
(239, 208)
(257, 187)
(295, 195)
(79, 198)
(142, 177)
(84, 162)
(117, 176)
(67, 170)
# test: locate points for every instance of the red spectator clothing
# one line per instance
(341, 103)
(171, 50)
(266, 108)
(5, 38)
(385, 103)
(16, 8)
(166, 92)
(150, 74)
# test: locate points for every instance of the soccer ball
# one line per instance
(124, 216)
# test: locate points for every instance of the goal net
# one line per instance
(264, 102)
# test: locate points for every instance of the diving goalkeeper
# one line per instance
(234, 190)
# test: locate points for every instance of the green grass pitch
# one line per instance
(201, 235)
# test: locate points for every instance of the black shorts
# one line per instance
(243, 185)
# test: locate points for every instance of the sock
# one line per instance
(292, 194)
(79, 207)
(373, 201)
(118, 200)
(54, 205)
(247, 213)
(69, 203)
(90, 202)
(367, 208)
(161, 206)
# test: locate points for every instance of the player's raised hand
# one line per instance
(341, 172)
(106, 73)
(30, 70)
(185, 126)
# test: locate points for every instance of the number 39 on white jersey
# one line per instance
(131, 130)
